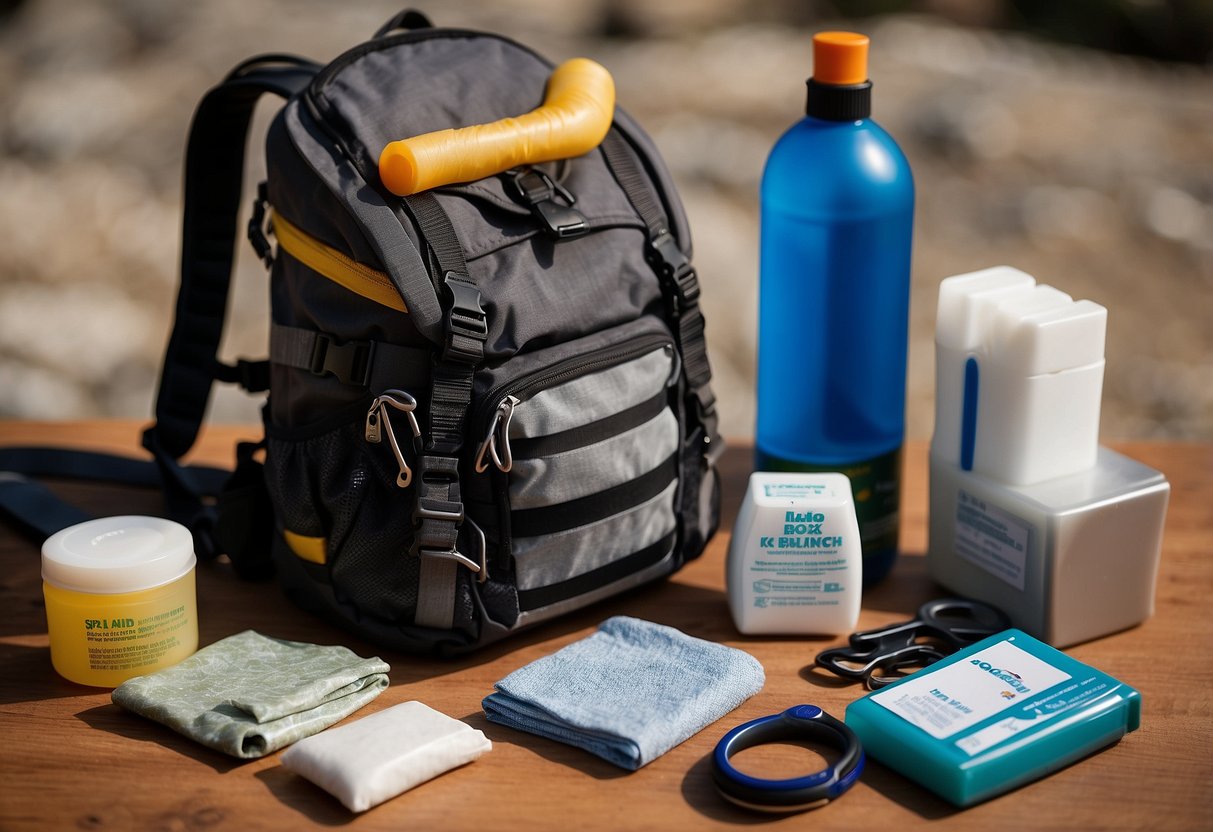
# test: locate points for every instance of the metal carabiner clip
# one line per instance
(378, 422)
(498, 434)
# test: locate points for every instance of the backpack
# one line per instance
(489, 403)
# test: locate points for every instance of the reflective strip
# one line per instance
(530, 599)
(550, 558)
(336, 266)
(582, 472)
(314, 549)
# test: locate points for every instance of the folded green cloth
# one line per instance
(249, 695)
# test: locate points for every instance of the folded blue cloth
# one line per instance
(628, 693)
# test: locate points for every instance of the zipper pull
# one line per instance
(498, 434)
(379, 422)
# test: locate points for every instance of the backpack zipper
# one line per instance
(497, 407)
(336, 266)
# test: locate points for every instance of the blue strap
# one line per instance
(40, 513)
(214, 170)
(35, 510)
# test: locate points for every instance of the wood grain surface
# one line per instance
(73, 760)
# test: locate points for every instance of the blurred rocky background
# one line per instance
(1071, 139)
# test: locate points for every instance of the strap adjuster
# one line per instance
(423, 512)
(349, 362)
(256, 227)
(467, 326)
(676, 272)
(466, 315)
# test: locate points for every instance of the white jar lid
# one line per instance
(117, 554)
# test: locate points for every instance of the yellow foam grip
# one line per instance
(573, 119)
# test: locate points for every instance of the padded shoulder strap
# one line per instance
(214, 169)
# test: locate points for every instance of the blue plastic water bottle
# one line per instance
(837, 217)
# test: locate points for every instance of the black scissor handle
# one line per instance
(861, 667)
(961, 621)
(942, 627)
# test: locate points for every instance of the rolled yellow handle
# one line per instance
(573, 119)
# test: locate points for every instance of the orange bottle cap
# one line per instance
(840, 58)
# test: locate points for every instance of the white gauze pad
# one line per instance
(380, 756)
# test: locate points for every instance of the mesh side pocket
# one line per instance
(328, 486)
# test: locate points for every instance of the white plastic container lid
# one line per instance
(118, 554)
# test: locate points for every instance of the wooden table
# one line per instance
(71, 759)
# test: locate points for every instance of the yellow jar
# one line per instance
(120, 599)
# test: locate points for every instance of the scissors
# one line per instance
(941, 627)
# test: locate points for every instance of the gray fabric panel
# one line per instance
(526, 363)
(662, 567)
(540, 561)
(535, 483)
(395, 249)
(542, 292)
(593, 397)
(436, 593)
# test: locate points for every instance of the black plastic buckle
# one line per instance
(252, 376)
(256, 227)
(538, 190)
(676, 272)
(467, 326)
(350, 362)
(466, 315)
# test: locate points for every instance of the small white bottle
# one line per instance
(795, 564)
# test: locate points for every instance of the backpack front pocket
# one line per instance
(589, 443)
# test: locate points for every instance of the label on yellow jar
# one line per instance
(126, 643)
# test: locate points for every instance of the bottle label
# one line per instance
(993, 539)
(876, 486)
(800, 558)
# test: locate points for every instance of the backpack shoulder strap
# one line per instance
(214, 169)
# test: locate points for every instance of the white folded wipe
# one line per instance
(382, 755)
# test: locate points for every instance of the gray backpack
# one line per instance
(489, 404)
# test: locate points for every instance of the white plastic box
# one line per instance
(1028, 512)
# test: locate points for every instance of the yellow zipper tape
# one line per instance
(337, 267)
(309, 548)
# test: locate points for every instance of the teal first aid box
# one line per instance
(1001, 713)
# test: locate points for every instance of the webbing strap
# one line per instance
(41, 513)
(214, 169)
(376, 365)
(439, 512)
(679, 283)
